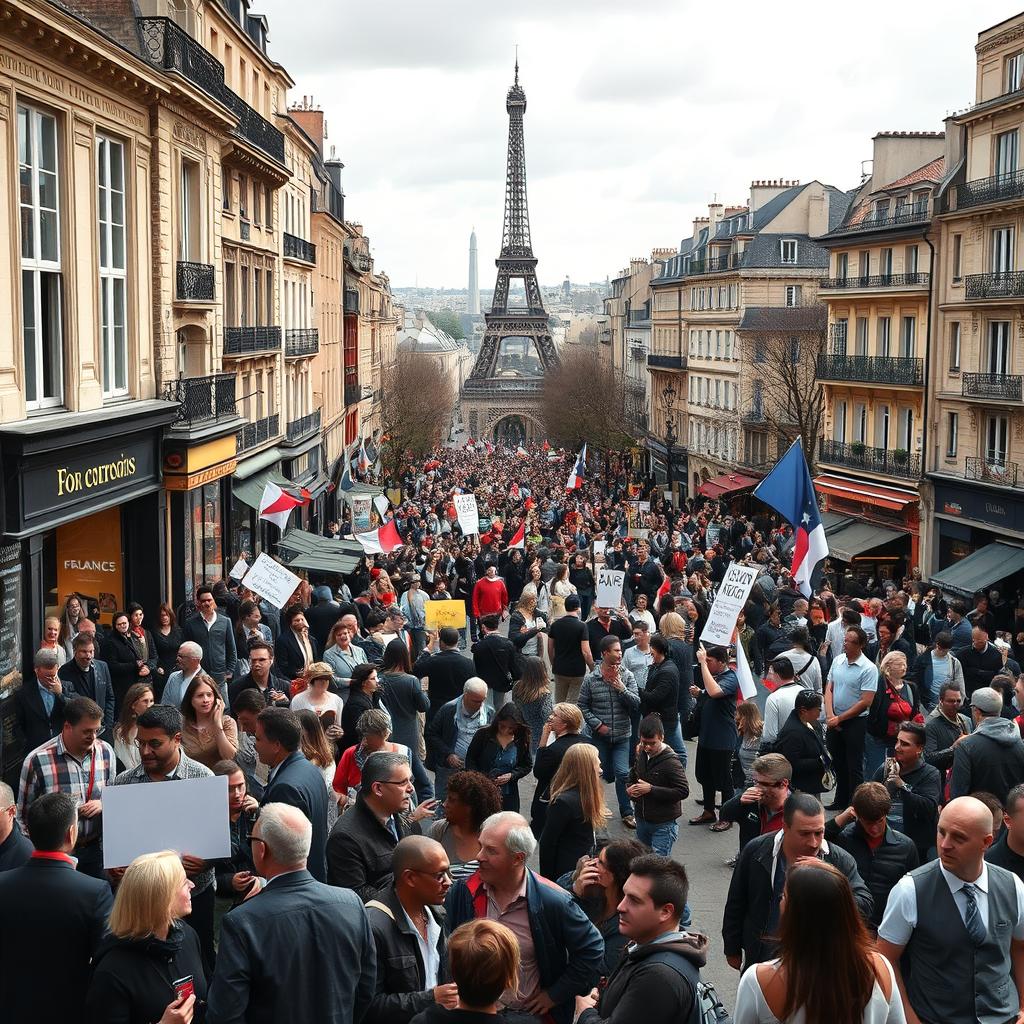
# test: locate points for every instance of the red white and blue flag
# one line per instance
(578, 470)
(363, 463)
(789, 490)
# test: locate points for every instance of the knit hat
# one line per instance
(987, 700)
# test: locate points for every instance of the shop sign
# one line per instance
(89, 562)
(1004, 512)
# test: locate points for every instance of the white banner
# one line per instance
(466, 510)
(729, 601)
(609, 588)
(189, 816)
(271, 580)
(381, 504)
(239, 569)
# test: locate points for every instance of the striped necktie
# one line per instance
(975, 926)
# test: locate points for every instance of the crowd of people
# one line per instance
(384, 864)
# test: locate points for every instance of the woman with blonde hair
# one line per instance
(148, 950)
(561, 731)
(561, 588)
(575, 812)
(316, 697)
(319, 751)
(749, 725)
(524, 624)
(896, 702)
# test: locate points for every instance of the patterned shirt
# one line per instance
(52, 769)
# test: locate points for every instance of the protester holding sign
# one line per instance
(717, 739)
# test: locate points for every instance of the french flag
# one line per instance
(789, 490)
(578, 470)
(519, 537)
(382, 540)
(364, 460)
(276, 505)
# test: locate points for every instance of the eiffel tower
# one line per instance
(501, 397)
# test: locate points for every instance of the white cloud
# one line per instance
(637, 114)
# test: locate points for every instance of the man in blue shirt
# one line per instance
(851, 686)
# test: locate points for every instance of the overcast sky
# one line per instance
(637, 115)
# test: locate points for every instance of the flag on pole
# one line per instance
(748, 688)
(789, 490)
(276, 505)
(522, 452)
(519, 537)
(546, 446)
(578, 470)
(346, 483)
(382, 540)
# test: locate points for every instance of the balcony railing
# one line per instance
(1001, 284)
(498, 387)
(254, 128)
(202, 399)
(194, 282)
(303, 426)
(242, 341)
(878, 281)
(754, 414)
(299, 342)
(351, 300)
(887, 461)
(299, 249)
(257, 433)
(903, 370)
(1004, 387)
(173, 49)
(660, 362)
(353, 394)
(990, 190)
(915, 214)
(993, 471)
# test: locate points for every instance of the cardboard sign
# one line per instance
(186, 815)
(466, 510)
(271, 580)
(599, 549)
(638, 533)
(239, 569)
(445, 613)
(360, 512)
(609, 588)
(712, 534)
(729, 601)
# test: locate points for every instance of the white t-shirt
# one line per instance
(301, 702)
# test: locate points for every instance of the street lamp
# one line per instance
(668, 398)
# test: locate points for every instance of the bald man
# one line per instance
(408, 924)
(961, 922)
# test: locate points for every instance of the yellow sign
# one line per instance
(446, 613)
(89, 562)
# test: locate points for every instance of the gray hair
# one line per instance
(379, 766)
(192, 649)
(45, 658)
(6, 796)
(475, 685)
(375, 722)
(287, 833)
(519, 838)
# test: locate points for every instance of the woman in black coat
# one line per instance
(501, 751)
(660, 696)
(167, 638)
(121, 656)
(799, 743)
(363, 694)
(564, 723)
(576, 811)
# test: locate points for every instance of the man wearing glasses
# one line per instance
(362, 843)
(408, 924)
(758, 809)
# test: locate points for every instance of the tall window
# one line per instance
(1007, 148)
(113, 283)
(230, 305)
(861, 348)
(842, 265)
(997, 436)
(1002, 250)
(957, 250)
(793, 293)
(190, 215)
(885, 262)
(998, 354)
(882, 422)
(788, 252)
(860, 422)
(905, 429)
(1014, 71)
(952, 434)
(954, 346)
(864, 264)
(908, 336)
(42, 332)
(910, 260)
(884, 335)
(839, 422)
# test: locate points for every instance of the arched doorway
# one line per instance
(510, 431)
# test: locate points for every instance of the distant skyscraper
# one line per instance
(473, 302)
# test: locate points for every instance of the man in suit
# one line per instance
(296, 647)
(323, 614)
(494, 657)
(84, 676)
(39, 702)
(294, 779)
(50, 914)
(262, 676)
(190, 664)
(212, 630)
(267, 944)
(446, 671)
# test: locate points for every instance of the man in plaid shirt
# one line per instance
(79, 763)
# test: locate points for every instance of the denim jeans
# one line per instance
(658, 837)
(614, 756)
(675, 740)
(875, 752)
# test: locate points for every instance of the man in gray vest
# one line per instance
(961, 923)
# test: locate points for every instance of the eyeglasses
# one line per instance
(771, 785)
(439, 877)
(256, 839)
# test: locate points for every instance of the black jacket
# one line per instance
(803, 748)
(321, 617)
(132, 980)
(979, 666)
(404, 697)
(276, 682)
(123, 663)
(288, 655)
(941, 734)
(747, 816)
(496, 663)
(545, 763)
(881, 868)
(748, 904)
(567, 836)
(484, 750)
(669, 785)
(356, 704)
(30, 717)
(446, 672)
(516, 622)
(401, 978)
(661, 694)
(300, 783)
(878, 713)
(98, 688)
(241, 856)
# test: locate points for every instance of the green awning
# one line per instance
(250, 490)
(303, 542)
(325, 561)
(857, 537)
(982, 568)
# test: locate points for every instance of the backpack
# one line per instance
(707, 1007)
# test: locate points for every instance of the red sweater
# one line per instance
(489, 597)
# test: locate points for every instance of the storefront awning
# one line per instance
(727, 483)
(834, 522)
(303, 542)
(250, 490)
(857, 537)
(986, 566)
(852, 489)
(319, 484)
(325, 561)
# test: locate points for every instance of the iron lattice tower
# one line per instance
(507, 379)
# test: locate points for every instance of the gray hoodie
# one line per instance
(991, 759)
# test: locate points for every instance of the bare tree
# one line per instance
(416, 409)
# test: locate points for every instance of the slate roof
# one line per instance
(765, 250)
(796, 318)
(114, 18)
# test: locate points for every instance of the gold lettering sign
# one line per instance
(73, 481)
(204, 476)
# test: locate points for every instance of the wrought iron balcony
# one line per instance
(243, 341)
(353, 394)
(351, 300)
(1001, 284)
(716, 263)
(173, 49)
(503, 386)
(991, 470)
(257, 433)
(194, 282)
(299, 249)
(254, 128)
(914, 214)
(299, 342)
(886, 461)
(1005, 387)
(662, 362)
(878, 281)
(903, 370)
(202, 399)
(999, 187)
(754, 414)
(303, 426)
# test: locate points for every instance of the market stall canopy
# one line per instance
(727, 483)
(982, 568)
(305, 550)
(325, 561)
(250, 490)
(856, 537)
(297, 540)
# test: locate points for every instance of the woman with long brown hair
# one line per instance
(576, 811)
(138, 698)
(820, 929)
